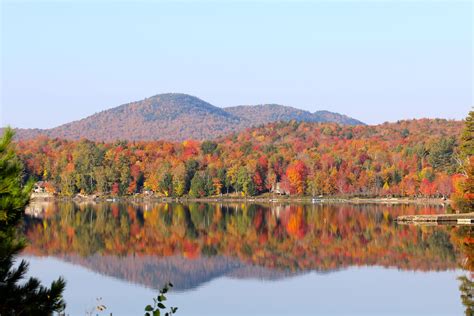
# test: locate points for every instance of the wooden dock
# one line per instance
(464, 218)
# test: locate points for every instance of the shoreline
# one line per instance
(266, 199)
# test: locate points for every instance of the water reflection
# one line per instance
(194, 243)
(463, 238)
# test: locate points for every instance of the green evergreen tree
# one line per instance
(208, 147)
(464, 195)
(191, 168)
(441, 154)
(245, 182)
(198, 186)
(208, 186)
(467, 137)
(29, 298)
(166, 184)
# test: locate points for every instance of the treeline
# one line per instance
(407, 158)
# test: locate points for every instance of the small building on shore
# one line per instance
(39, 187)
(277, 188)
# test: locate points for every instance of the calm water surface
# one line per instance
(247, 259)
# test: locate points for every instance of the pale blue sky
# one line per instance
(374, 60)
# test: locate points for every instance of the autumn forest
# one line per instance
(404, 159)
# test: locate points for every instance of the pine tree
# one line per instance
(467, 137)
(197, 186)
(463, 195)
(29, 298)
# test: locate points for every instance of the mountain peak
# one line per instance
(170, 106)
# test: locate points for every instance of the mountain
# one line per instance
(176, 117)
(166, 116)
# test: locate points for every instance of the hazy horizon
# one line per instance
(375, 61)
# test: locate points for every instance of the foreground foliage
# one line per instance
(158, 303)
(30, 298)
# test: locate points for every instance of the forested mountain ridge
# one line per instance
(407, 158)
(267, 113)
(177, 117)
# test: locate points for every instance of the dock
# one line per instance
(463, 218)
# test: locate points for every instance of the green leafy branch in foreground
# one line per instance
(158, 305)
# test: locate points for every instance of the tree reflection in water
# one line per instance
(193, 243)
(463, 237)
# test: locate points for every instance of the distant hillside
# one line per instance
(177, 117)
(267, 113)
(165, 116)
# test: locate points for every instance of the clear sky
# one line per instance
(374, 60)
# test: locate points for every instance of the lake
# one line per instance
(251, 259)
